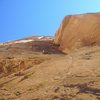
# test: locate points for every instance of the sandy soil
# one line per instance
(37, 76)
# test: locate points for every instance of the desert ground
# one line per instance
(29, 75)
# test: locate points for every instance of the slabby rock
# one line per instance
(77, 31)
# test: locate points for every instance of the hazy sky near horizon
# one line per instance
(22, 18)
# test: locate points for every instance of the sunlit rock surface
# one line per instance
(80, 30)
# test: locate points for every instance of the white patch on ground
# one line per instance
(23, 41)
(40, 37)
(14, 42)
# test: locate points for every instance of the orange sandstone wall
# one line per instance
(76, 31)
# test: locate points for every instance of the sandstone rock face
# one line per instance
(76, 31)
(33, 70)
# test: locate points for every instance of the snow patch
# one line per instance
(14, 42)
(40, 37)
(23, 41)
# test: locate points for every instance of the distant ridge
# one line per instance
(29, 39)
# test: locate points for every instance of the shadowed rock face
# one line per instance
(76, 31)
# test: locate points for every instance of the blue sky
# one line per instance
(22, 18)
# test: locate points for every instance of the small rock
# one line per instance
(56, 90)
(18, 93)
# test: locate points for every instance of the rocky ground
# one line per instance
(29, 75)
